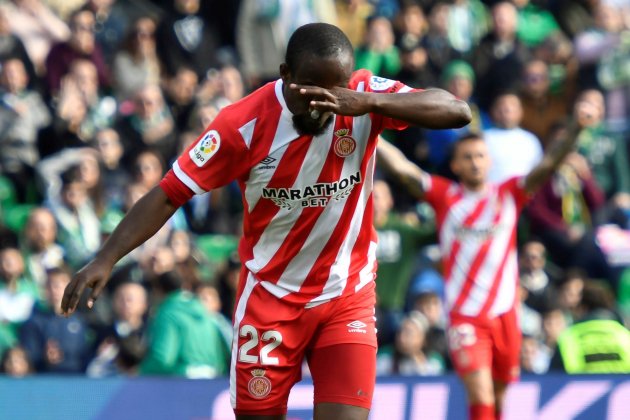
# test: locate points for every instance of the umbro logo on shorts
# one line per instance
(357, 327)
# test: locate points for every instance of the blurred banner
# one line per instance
(548, 397)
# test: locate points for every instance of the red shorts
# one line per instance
(495, 343)
(272, 338)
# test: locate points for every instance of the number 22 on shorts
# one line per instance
(272, 338)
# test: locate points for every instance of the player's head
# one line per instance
(318, 54)
(471, 160)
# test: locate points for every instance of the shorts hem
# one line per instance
(345, 401)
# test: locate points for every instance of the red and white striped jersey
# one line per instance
(477, 232)
(307, 226)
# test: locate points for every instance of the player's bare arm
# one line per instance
(431, 108)
(395, 163)
(554, 156)
(144, 219)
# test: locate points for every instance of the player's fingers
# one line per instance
(94, 294)
(314, 91)
(75, 296)
(67, 293)
(323, 105)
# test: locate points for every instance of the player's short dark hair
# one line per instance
(470, 136)
(320, 39)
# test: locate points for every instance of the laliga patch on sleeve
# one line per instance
(205, 148)
(381, 83)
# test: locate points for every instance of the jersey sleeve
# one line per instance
(216, 158)
(435, 191)
(516, 188)
(385, 86)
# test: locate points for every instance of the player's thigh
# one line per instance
(267, 351)
(343, 379)
(469, 345)
(479, 386)
(506, 339)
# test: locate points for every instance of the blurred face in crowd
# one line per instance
(134, 193)
(209, 296)
(85, 75)
(232, 87)
(507, 111)
(570, 293)
(553, 325)
(329, 72)
(205, 115)
(180, 244)
(130, 302)
(380, 35)
(144, 31)
(182, 86)
(532, 257)
(504, 20)
(82, 32)
(429, 305)
(162, 261)
(149, 169)
(149, 101)
(11, 264)
(411, 337)
(41, 229)
(536, 79)
(412, 21)
(90, 170)
(460, 86)
(55, 285)
(589, 108)
(16, 363)
(471, 162)
(109, 147)
(382, 199)
(188, 7)
(438, 19)
(74, 194)
(529, 352)
(608, 17)
(14, 77)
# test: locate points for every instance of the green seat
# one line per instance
(217, 248)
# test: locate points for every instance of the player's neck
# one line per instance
(474, 187)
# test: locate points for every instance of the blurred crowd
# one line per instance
(98, 97)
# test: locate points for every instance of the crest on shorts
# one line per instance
(344, 144)
(259, 386)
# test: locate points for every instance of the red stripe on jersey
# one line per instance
(482, 254)
(359, 258)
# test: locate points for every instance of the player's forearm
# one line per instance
(395, 163)
(432, 108)
(142, 221)
(552, 159)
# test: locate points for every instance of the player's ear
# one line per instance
(285, 74)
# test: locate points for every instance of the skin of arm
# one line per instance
(395, 163)
(552, 159)
(144, 219)
(431, 108)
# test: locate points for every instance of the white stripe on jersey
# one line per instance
(284, 220)
(186, 179)
(323, 229)
(493, 258)
(241, 306)
(254, 185)
(367, 274)
(247, 131)
(338, 275)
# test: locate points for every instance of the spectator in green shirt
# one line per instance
(184, 339)
(534, 24)
(379, 54)
(398, 244)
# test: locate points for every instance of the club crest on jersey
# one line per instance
(381, 83)
(205, 148)
(259, 386)
(344, 144)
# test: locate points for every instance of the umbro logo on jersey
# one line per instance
(357, 327)
(266, 163)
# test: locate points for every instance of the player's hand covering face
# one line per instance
(316, 90)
